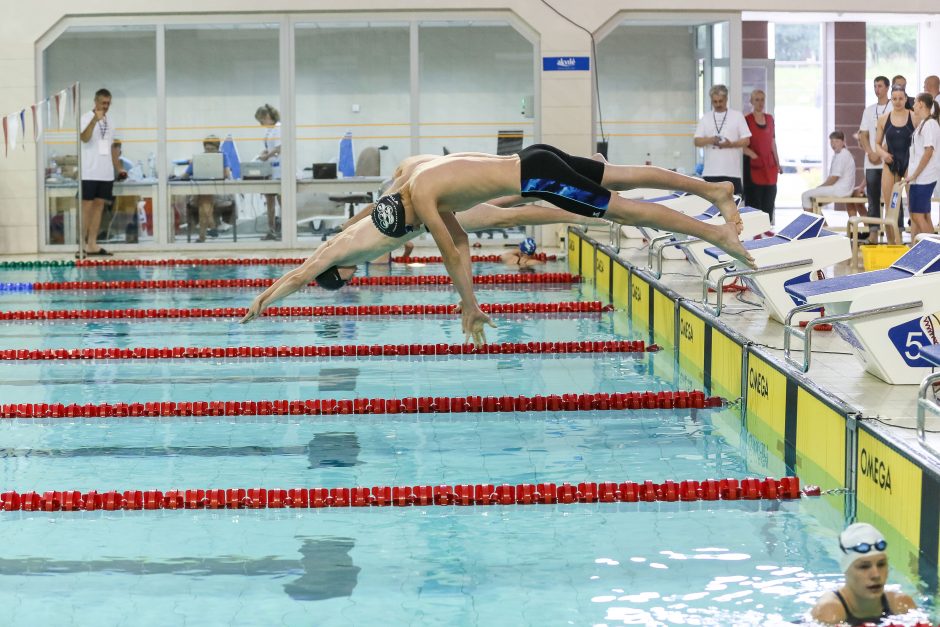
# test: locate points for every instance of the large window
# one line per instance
(342, 101)
(122, 60)
(217, 76)
(351, 81)
(649, 120)
(892, 50)
(473, 80)
(799, 109)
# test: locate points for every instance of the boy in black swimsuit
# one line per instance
(863, 598)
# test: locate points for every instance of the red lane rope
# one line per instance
(474, 258)
(281, 261)
(465, 494)
(348, 350)
(618, 401)
(576, 307)
(429, 279)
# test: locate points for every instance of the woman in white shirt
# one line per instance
(270, 119)
(924, 169)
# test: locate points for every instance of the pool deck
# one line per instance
(833, 367)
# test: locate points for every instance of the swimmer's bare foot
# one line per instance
(408, 248)
(723, 198)
(727, 239)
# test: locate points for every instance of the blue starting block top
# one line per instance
(922, 259)
(931, 354)
(805, 226)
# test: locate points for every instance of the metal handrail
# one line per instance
(719, 285)
(616, 233)
(789, 331)
(664, 241)
(924, 404)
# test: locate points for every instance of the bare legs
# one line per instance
(888, 179)
(272, 200)
(920, 223)
(206, 205)
(91, 222)
(632, 212)
(622, 177)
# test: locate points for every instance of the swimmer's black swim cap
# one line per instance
(331, 280)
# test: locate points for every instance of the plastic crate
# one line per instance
(881, 256)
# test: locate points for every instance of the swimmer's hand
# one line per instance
(254, 310)
(473, 321)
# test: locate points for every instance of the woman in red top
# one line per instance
(760, 191)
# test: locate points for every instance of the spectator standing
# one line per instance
(723, 134)
(99, 167)
(932, 86)
(763, 162)
(867, 131)
(270, 118)
(893, 143)
(924, 169)
(841, 178)
(900, 80)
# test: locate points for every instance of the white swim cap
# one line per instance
(860, 540)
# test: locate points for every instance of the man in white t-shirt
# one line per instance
(99, 166)
(841, 179)
(723, 133)
(867, 131)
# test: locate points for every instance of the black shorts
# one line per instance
(571, 183)
(92, 190)
(388, 216)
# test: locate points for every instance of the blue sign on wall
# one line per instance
(566, 64)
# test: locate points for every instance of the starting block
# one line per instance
(887, 316)
(795, 255)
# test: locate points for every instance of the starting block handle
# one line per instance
(807, 336)
(925, 404)
(658, 245)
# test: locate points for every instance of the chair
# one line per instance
(889, 221)
(369, 163)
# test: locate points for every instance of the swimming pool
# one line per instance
(724, 563)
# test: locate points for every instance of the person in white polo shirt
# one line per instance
(841, 178)
(99, 167)
(723, 133)
(924, 169)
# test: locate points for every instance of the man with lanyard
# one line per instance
(723, 133)
(99, 167)
(866, 139)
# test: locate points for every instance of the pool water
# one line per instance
(754, 563)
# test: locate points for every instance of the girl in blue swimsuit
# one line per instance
(893, 144)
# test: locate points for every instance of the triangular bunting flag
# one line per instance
(37, 121)
(23, 126)
(12, 125)
(5, 152)
(74, 97)
(61, 102)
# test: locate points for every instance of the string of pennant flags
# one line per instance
(14, 124)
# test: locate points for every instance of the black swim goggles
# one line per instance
(865, 547)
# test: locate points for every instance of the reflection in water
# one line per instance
(333, 450)
(326, 568)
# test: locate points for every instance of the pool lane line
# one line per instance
(226, 261)
(347, 350)
(750, 489)
(601, 401)
(577, 307)
(532, 278)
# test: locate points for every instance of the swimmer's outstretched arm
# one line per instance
(440, 227)
(296, 279)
